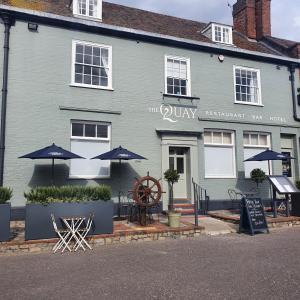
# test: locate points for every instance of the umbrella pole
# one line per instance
(120, 186)
(52, 171)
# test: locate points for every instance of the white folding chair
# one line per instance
(62, 234)
(83, 232)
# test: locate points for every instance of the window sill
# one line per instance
(85, 17)
(219, 177)
(181, 97)
(78, 177)
(248, 103)
(91, 87)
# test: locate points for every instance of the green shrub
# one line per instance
(297, 184)
(68, 193)
(5, 194)
(258, 176)
(171, 176)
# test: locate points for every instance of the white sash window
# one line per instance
(177, 76)
(92, 65)
(255, 143)
(90, 139)
(88, 8)
(219, 152)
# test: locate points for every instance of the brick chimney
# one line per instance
(252, 18)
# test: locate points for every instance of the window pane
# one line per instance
(87, 79)
(89, 167)
(208, 137)
(246, 139)
(176, 90)
(103, 81)
(180, 165)
(217, 137)
(263, 140)
(102, 131)
(77, 129)
(78, 78)
(171, 163)
(254, 139)
(90, 130)
(227, 138)
(219, 161)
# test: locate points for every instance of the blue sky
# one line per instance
(285, 13)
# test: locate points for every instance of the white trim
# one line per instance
(109, 48)
(88, 177)
(259, 103)
(98, 13)
(248, 103)
(188, 73)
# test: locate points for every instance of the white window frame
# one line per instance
(98, 13)
(109, 48)
(188, 71)
(257, 146)
(259, 103)
(213, 29)
(232, 145)
(108, 140)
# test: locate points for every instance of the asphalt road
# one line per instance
(221, 267)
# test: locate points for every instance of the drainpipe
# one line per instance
(8, 22)
(292, 69)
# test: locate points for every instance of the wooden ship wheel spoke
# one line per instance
(146, 193)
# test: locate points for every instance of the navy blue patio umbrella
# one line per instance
(119, 154)
(51, 152)
(269, 155)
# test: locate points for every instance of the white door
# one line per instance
(177, 161)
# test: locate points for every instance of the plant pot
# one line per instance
(38, 224)
(4, 222)
(174, 219)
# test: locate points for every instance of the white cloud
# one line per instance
(297, 21)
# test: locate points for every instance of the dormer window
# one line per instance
(219, 33)
(88, 8)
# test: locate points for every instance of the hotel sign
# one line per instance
(173, 114)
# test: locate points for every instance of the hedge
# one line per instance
(69, 193)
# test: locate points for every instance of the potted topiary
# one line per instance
(5, 195)
(258, 176)
(172, 176)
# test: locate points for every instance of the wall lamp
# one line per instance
(221, 58)
(33, 26)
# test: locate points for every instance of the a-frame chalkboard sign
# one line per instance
(252, 216)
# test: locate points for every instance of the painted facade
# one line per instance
(42, 104)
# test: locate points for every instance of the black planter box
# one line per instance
(4, 222)
(38, 224)
(295, 205)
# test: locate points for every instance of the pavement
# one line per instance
(213, 226)
(232, 266)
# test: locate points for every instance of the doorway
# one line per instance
(179, 160)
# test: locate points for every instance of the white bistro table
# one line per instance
(74, 225)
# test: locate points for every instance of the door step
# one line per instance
(184, 208)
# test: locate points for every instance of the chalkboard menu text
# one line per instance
(252, 216)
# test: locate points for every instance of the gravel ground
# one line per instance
(217, 267)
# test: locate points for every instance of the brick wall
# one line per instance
(252, 18)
